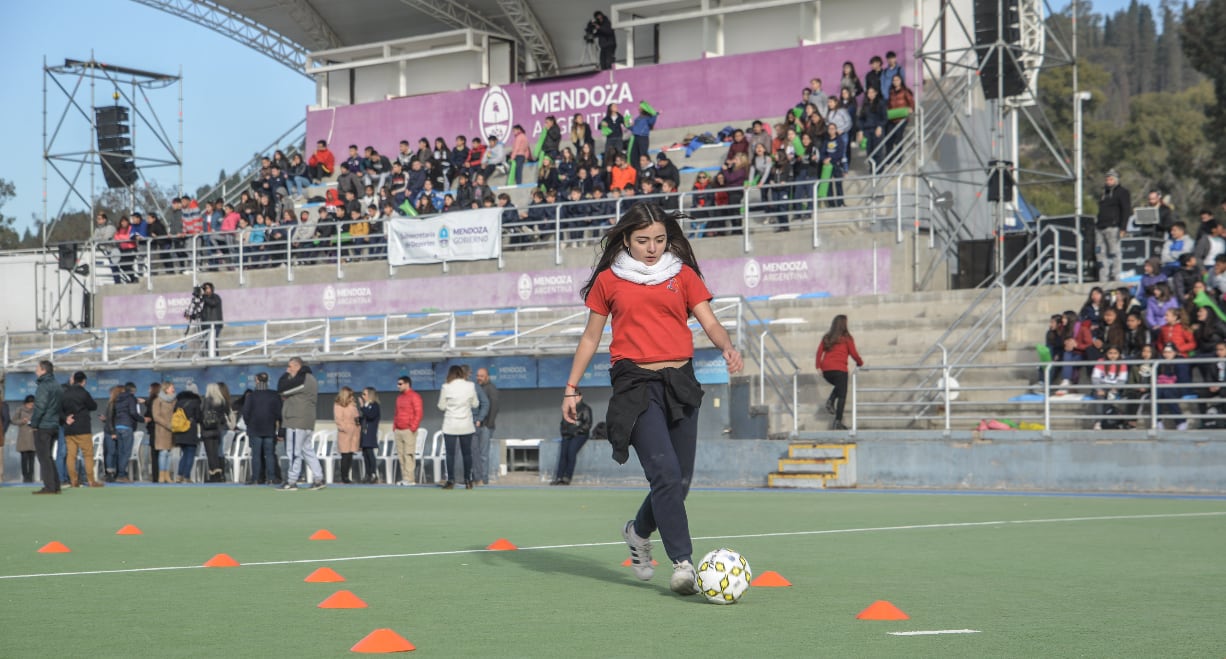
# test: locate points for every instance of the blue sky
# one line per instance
(235, 100)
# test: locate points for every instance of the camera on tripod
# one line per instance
(196, 305)
(589, 32)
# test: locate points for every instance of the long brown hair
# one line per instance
(838, 331)
(639, 217)
(455, 372)
(344, 397)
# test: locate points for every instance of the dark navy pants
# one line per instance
(666, 452)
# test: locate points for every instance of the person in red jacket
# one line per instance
(1177, 332)
(404, 427)
(832, 355)
(322, 163)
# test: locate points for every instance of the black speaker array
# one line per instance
(999, 21)
(1000, 188)
(115, 146)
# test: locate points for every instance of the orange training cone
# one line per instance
(54, 547)
(502, 544)
(628, 563)
(770, 579)
(128, 529)
(342, 599)
(324, 575)
(882, 610)
(322, 534)
(383, 641)
(221, 560)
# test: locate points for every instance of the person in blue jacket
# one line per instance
(833, 151)
(641, 129)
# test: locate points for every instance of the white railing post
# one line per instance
(762, 368)
(327, 335)
(745, 219)
(242, 278)
(898, 208)
(451, 331)
(1153, 401)
(1004, 308)
(195, 258)
(106, 347)
(1047, 399)
(212, 341)
(148, 265)
(1078, 260)
(340, 271)
(855, 382)
(1056, 244)
(945, 388)
(795, 402)
(557, 234)
(817, 242)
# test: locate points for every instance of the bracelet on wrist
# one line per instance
(571, 395)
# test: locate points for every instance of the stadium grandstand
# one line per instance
(443, 200)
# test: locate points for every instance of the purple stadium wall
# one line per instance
(734, 88)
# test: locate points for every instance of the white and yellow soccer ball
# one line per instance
(723, 576)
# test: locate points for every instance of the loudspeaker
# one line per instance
(1070, 259)
(115, 143)
(974, 262)
(998, 22)
(996, 190)
(68, 256)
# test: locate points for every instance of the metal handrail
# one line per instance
(231, 186)
(1051, 398)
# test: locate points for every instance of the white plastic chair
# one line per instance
(200, 466)
(324, 443)
(387, 456)
(137, 463)
(239, 458)
(99, 456)
(435, 453)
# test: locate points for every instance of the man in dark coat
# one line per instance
(76, 405)
(1114, 209)
(262, 414)
(45, 419)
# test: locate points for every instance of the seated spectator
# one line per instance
(449, 204)
(1214, 375)
(351, 170)
(546, 174)
(739, 145)
(1172, 373)
(475, 160)
(622, 174)
(1090, 338)
(1069, 357)
(1216, 279)
(575, 215)
(567, 169)
(321, 163)
(510, 216)
(736, 176)
(1108, 375)
(719, 211)
(1139, 379)
(425, 205)
(1207, 332)
(1056, 333)
(480, 189)
(1151, 275)
(368, 197)
(1212, 241)
(1177, 331)
(1161, 301)
(463, 192)
(458, 158)
(1184, 280)
(405, 155)
(1176, 245)
(665, 170)
(440, 162)
(646, 170)
(1094, 306)
(358, 229)
(1123, 302)
(670, 201)
(587, 158)
(1113, 330)
(495, 158)
(416, 178)
(296, 178)
(423, 154)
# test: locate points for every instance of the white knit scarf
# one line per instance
(625, 267)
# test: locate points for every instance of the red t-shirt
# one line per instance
(650, 323)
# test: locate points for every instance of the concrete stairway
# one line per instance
(816, 466)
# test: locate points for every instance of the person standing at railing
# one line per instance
(126, 242)
(873, 120)
(834, 154)
(900, 97)
(833, 351)
(648, 283)
(103, 236)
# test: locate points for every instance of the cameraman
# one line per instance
(210, 311)
(600, 30)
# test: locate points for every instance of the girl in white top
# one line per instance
(457, 399)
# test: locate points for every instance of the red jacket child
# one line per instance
(835, 359)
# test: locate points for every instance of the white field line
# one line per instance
(580, 545)
(935, 632)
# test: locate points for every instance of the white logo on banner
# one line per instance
(495, 115)
(329, 297)
(525, 286)
(752, 273)
(159, 307)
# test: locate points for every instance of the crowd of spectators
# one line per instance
(578, 182)
(1172, 314)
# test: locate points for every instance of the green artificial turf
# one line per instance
(1139, 586)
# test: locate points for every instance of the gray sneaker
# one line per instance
(287, 487)
(317, 485)
(640, 552)
(684, 581)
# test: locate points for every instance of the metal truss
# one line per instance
(308, 19)
(242, 29)
(536, 40)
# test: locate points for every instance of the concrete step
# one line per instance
(806, 466)
(817, 451)
(797, 481)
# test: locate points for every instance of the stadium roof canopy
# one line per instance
(286, 30)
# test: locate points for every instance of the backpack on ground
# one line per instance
(179, 421)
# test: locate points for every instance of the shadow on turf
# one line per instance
(547, 561)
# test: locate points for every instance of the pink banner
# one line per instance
(817, 273)
(732, 89)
